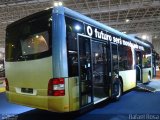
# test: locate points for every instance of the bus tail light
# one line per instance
(7, 85)
(56, 87)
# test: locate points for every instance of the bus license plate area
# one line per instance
(27, 90)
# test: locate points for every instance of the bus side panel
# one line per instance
(129, 79)
(74, 93)
(145, 74)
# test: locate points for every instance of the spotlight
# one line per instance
(55, 4)
(58, 4)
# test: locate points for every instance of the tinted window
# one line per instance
(114, 57)
(35, 44)
(125, 58)
(29, 38)
(99, 57)
(73, 27)
(146, 60)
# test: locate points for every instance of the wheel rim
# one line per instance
(149, 78)
(119, 91)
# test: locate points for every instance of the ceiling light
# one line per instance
(144, 37)
(58, 4)
(96, 54)
(127, 20)
(37, 36)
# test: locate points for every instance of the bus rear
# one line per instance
(29, 70)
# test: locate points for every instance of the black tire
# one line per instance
(117, 86)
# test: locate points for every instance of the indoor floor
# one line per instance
(135, 104)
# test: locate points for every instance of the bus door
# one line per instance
(114, 69)
(154, 64)
(138, 66)
(85, 70)
(100, 72)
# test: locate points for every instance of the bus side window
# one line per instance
(125, 58)
(71, 37)
(146, 58)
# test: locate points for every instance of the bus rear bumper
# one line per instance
(55, 104)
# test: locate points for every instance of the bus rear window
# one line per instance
(30, 38)
(35, 44)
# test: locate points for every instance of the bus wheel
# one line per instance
(117, 89)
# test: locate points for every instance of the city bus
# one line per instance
(60, 60)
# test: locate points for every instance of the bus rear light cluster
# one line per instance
(7, 85)
(56, 87)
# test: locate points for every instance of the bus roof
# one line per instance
(77, 15)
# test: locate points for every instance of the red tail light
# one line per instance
(7, 85)
(56, 87)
